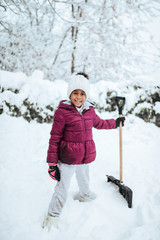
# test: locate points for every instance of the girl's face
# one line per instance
(78, 97)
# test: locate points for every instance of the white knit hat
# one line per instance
(78, 82)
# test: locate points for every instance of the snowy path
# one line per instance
(26, 189)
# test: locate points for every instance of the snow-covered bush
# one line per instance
(35, 98)
(30, 97)
(142, 98)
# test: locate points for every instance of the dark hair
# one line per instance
(83, 74)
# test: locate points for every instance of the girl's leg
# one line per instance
(61, 190)
(82, 175)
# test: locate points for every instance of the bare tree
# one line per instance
(105, 38)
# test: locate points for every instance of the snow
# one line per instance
(26, 188)
(157, 107)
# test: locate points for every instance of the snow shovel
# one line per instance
(124, 190)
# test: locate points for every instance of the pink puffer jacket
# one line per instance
(71, 140)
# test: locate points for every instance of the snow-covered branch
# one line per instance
(105, 37)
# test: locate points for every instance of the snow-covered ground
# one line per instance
(26, 189)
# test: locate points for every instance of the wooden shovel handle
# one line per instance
(120, 150)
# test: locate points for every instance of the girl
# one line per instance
(71, 146)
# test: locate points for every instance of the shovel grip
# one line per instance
(120, 101)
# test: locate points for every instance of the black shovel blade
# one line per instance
(125, 191)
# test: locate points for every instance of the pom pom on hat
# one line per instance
(78, 82)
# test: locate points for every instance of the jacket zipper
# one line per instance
(84, 138)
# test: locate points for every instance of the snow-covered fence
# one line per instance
(35, 98)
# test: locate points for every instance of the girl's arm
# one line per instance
(103, 124)
(56, 136)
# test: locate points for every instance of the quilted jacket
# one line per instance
(71, 139)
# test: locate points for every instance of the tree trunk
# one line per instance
(76, 15)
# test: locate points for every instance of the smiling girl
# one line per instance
(71, 145)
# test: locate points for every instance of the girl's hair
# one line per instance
(83, 74)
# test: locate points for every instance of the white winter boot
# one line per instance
(50, 222)
(85, 198)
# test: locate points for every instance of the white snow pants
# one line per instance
(61, 189)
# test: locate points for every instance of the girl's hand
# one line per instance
(53, 171)
(118, 120)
